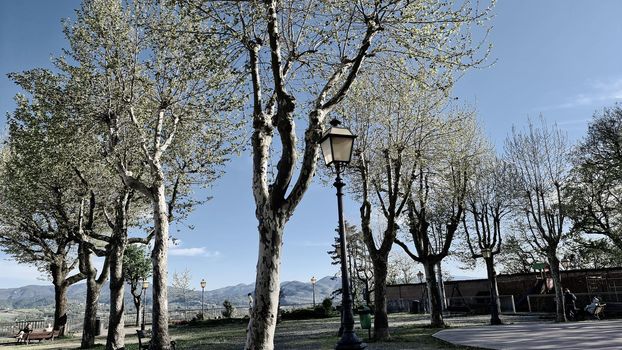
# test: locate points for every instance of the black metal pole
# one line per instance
(142, 326)
(202, 293)
(313, 295)
(348, 340)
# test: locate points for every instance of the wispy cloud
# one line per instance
(598, 91)
(195, 251)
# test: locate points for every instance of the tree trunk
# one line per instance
(60, 307)
(560, 314)
(262, 323)
(138, 305)
(495, 304)
(381, 319)
(441, 285)
(116, 322)
(159, 256)
(60, 297)
(434, 293)
(90, 312)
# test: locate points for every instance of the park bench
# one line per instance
(40, 335)
(144, 340)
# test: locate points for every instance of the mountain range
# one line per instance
(292, 292)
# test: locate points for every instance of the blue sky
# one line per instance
(559, 58)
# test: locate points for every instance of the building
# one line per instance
(531, 291)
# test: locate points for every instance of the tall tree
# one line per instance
(161, 89)
(488, 203)
(136, 269)
(539, 156)
(302, 58)
(438, 200)
(386, 157)
(181, 281)
(596, 190)
(40, 202)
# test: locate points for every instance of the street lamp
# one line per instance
(420, 276)
(145, 286)
(336, 144)
(565, 263)
(313, 280)
(203, 283)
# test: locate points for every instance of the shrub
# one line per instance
(320, 311)
(229, 309)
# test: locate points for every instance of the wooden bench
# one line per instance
(146, 336)
(40, 335)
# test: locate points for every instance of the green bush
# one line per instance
(229, 309)
(320, 311)
(327, 306)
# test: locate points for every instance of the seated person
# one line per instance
(22, 332)
(591, 308)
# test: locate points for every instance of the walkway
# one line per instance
(527, 336)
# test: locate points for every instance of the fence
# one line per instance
(546, 302)
(477, 305)
(481, 304)
(75, 320)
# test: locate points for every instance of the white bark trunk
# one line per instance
(159, 256)
(265, 310)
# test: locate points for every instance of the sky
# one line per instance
(558, 58)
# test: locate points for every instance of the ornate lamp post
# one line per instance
(336, 144)
(313, 281)
(145, 286)
(203, 283)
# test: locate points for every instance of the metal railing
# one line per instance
(546, 302)
(481, 304)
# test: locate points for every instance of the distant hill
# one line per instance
(293, 292)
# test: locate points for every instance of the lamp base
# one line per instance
(349, 341)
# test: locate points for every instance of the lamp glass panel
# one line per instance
(326, 151)
(342, 147)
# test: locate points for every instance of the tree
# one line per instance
(437, 203)
(229, 309)
(401, 268)
(386, 157)
(181, 281)
(596, 185)
(539, 157)
(136, 269)
(488, 203)
(517, 256)
(40, 204)
(302, 57)
(55, 121)
(359, 266)
(160, 91)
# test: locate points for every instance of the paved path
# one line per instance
(527, 336)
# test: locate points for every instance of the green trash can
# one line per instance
(365, 319)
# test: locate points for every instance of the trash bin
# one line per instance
(365, 319)
(99, 326)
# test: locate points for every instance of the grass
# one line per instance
(410, 332)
